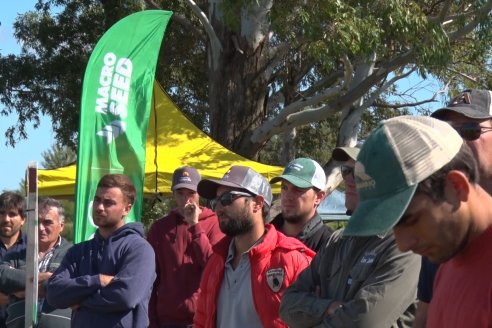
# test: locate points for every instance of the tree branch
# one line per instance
(215, 45)
(468, 77)
(189, 26)
(473, 24)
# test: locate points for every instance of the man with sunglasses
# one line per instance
(244, 279)
(347, 156)
(182, 241)
(303, 184)
(470, 114)
(354, 281)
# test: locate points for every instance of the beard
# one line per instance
(240, 225)
(294, 218)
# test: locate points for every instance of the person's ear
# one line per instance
(320, 195)
(457, 186)
(127, 209)
(258, 203)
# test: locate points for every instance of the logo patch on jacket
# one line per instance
(368, 257)
(275, 279)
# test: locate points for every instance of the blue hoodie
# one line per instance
(128, 257)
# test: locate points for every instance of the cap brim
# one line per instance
(184, 185)
(343, 154)
(468, 111)
(379, 215)
(296, 181)
(207, 188)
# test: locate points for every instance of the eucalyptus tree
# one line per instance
(253, 71)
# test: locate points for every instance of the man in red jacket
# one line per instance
(182, 242)
(244, 279)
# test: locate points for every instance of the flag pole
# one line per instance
(31, 300)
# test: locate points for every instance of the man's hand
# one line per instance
(21, 294)
(105, 279)
(333, 307)
(191, 213)
(44, 276)
(4, 299)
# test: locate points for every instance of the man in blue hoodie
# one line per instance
(107, 281)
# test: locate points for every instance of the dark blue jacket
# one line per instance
(19, 246)
(128, 257)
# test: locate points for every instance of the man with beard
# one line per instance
(12, 218)
(244, 279)
(354, 281)
(303, 184)
(107, 280)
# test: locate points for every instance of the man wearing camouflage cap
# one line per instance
(415, 175)
(244, 279)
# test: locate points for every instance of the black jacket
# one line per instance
(314, 235)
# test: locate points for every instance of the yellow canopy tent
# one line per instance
(172, 141)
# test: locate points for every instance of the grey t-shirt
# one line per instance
(235, 306)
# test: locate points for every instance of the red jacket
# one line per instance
(181, 252)
(277, 251)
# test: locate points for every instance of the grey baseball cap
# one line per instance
(185, 177)
(474, 103)
(242, 177)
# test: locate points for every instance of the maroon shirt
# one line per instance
(181, 253)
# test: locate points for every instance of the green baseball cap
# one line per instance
(399, 154)
(303, 173)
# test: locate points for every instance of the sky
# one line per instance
(14, 161)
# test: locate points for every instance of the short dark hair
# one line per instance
(464, 161)
(11, 200)
(120, 181)
(47, 203)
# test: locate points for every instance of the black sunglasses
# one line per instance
(346, 170)
(227, 198)
(471, 130)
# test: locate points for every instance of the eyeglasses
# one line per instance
(346, 171)
(471, 130)
(227, 198)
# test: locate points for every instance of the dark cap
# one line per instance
(476, 104)
(185, 177)
(241, 177)
(343, 154)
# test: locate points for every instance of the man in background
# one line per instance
(303, 184)
(12, 218)
(182, 242)
(52, 249)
